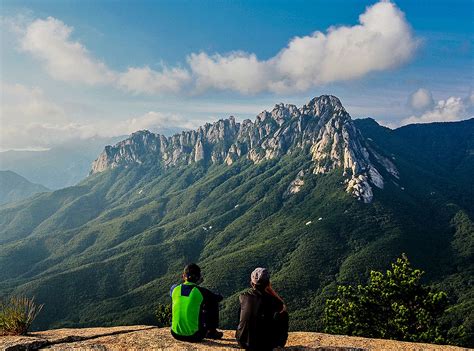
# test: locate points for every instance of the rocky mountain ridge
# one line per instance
(322, 128)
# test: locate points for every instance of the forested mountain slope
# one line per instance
(14, 187)
(316, 197)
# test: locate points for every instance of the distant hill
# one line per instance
(58, 167)
(316, 197)
(14, 187)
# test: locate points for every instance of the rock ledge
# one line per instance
(143, 337)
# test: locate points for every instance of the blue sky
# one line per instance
(77, 69)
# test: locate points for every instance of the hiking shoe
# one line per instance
(214, 334)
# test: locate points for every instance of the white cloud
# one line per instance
(23, 110)
(237, 71)
(29, 120)
(153, 121)
(146, 80)
(21, 104)
(64, 59)
(382, 40)
(39, 135)
(421, 100)
(451, 109)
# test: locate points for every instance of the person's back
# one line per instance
(195, 311)
(186, 310)
(263, 321)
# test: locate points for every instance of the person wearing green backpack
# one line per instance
(195, 310)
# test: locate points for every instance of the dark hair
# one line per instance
(192, 272)
(262, 286)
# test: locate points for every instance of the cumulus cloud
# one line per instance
(237, 71)
(421, 100)
(382, 40)
(30, 120)
(146, 80)
(65, 59)
(449, 110)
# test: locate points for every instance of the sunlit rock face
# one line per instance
(322, 127)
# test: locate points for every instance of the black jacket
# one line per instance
(262, 325)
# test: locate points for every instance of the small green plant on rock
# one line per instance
(163, 315)
(17, 314)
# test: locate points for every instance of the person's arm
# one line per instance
(246, 329)
(218, 297)
(172, 288)
(272, 292)
(209, 295)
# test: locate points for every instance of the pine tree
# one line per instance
(391, 306)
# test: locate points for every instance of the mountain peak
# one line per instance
(282, 113)
(14, 187)
(322, 127)
(325, 107)
(325, 100)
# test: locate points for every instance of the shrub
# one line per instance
(392, 306)
(163, 315)
(17, 314)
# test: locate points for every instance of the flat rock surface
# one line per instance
(147, 337)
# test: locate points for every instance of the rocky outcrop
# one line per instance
(152, 338)
(322, 127)
(296, 185)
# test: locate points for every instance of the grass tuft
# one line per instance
(17, 314)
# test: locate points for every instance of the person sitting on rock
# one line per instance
(195, 310)
(263, 321)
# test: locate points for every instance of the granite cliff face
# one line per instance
(322, 128)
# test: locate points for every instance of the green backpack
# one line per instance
(186, 310)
